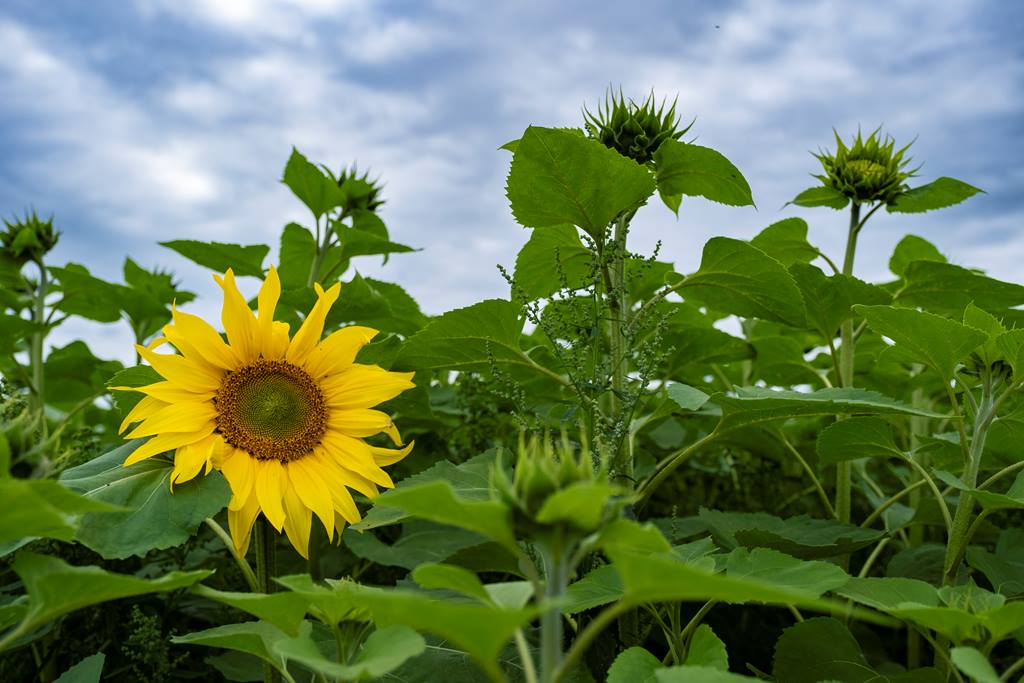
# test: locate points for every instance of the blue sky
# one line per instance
(144, 120)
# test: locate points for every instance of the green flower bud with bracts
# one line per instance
(361, 193)
(869, 170)
(633, 130)
(29, 238)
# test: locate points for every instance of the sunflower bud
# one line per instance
(868, 170)
(361, 193)
(634, 131)
(29, 238)
(544, 469)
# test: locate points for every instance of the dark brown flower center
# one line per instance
(271, 409)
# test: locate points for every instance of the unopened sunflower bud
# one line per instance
(28, 238)
(361, 193)
(869, 170)
(633, 130)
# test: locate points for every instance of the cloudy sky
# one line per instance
(146, 120)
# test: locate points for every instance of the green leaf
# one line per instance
(257, 638)
(756, 405)
(450, 577)
(87, 296)
(890, 592)
(157, 517)
(786, 242)
(974, 664)
(735, 277)
(823, 649)
(770, 566)
(420, 542)
(314, 188)
(938, 194)
(219, 256)
(12, 330)
(706, 649)
(856, 437)
(1011, 345)
(355, 242)
(383, 651)
(698, 674)
(635, 665)
(470, 481)
(801, 536)
(56, 588)
(332, 604)
(821, 196)
(79, 374)
(468, 339)
(937, 342)
(42, 508)
(829, 299)
(437, 501)
(551, 254)
(913, 248)
(686, 396)
(285, 610)
(695, 171)
(558, 177)
(298, 250)
(88, 670)
(945, 288)
(135, 376)
(581, 505)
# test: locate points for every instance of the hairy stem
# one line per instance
(556, 581)
(243, 564)
(846, 356)
(266, 569)
(36, 347)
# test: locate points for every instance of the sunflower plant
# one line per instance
(766, 468)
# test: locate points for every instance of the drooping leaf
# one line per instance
(88, 670)
(79, 374)
(157, 517)
(772, 567)
(433, 575)
(857, 437)
(135, 376)
(688, 398)
(974, 664)
(938, 194)
(599, 587)
(938, 342)
(634, 665)
(87, 296)
(314, 188)
(219, 256)
(735, 277)
(383, 651)
(707, 650)
(285, 609)
(420, 542)
(558, 177)
(946, 288)
(258, 638)
(695, 171)
(829, 299)
(56, 588)
(43, 508)
(802, 537)
(295, 259)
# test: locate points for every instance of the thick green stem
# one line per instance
(618, 304)
(36, 347)
(266, 570)
(556, 581)
(959, 536)
(243, 564)
(846, 356)
(321, 251)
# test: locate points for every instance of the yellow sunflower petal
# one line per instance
(355, 456)
(338, 350)
(147, 407)
(389, 456)
(184, 372)
(277, 344)
(240, 522)
(313, 326)
(270, 293)
(239, 322)
(238, 468)
(191, 458)
(169, 392)
(363, 422)
(166, 442)
(298, 521)
(364, 386)
(309, 484)
(343, 479)
(269, 484)
(200, 335)
(181, 417)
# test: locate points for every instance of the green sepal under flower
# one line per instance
(361, 193)
(29, 238)
(869, 170)
(547, 470)
(633, 130)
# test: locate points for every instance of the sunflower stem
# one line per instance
(243, 564)
(36, 348)
(266, 569)
(846, 357)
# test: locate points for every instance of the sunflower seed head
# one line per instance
(633, 130)
(869, 170)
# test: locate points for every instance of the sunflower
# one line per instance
(283, 418)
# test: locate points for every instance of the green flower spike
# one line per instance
(361, 193)
(28, 238)
(633, 130)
